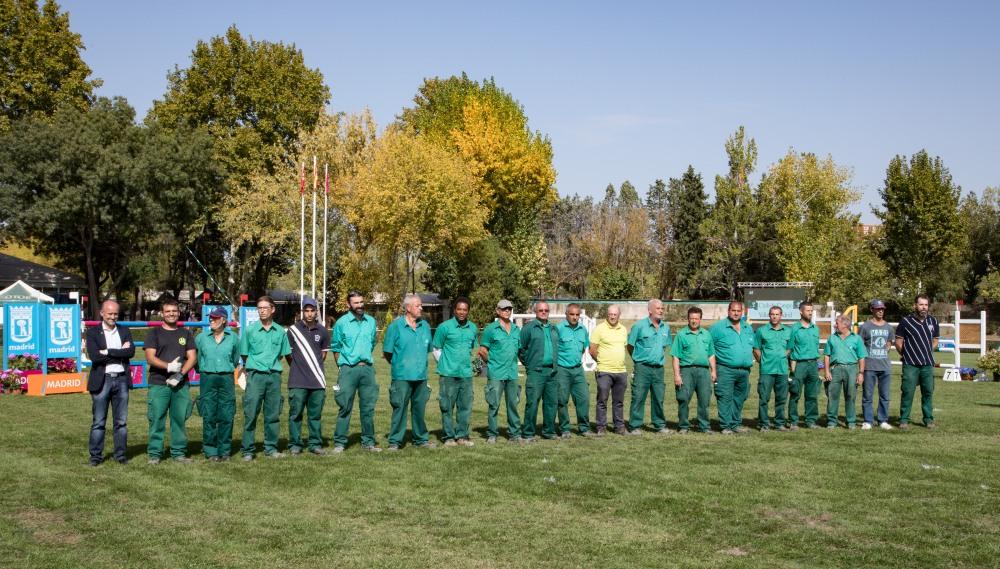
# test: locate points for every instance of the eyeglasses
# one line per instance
(260, 308)
(506, 308)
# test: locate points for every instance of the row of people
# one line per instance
(705, 362)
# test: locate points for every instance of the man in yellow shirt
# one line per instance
(607, 346)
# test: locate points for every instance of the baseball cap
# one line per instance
(309, 301)
(218, 313)
(876, 303)
(505, 304)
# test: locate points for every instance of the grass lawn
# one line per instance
(805, 499)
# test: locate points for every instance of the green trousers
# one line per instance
(731, 390)
(540, 387)
(408, 397)
(844, 381)
(804, 380)
(358, 380)
(573, 385)
(164, 400)
(647, 381)
(511, 392)
(310, 402)
(778, 383)
(914, 376)
(455, 398)
(263, 392)
(695, 381)
(217, 405)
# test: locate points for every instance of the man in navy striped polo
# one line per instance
(310, 343)
(916, 339)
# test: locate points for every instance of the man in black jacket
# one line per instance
(110, 348)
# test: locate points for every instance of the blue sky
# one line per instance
(628, 90)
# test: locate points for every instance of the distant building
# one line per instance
(867, 229)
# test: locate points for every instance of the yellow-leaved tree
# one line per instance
(413, 198)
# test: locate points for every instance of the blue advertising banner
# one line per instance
(24, 330)
(248, 315)
(206, 308)
(63, 335)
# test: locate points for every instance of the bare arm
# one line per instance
(677, 371)
(593, 351)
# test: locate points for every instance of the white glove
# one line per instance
(242, 381)
(174, 366)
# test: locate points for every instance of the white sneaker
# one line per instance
(885, 426)
(866, 426)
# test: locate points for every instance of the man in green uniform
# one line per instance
(405, 346)
(456, 338)
(733, 340)
(648, 341)
(803, 349)
(498, 348)
(353, 340)
(310, 343)
(262, 346)
(573, 340)
(537, 351)
(171, 354)
(770, 349)
(218, 365)
(844, 359)
(694, 371)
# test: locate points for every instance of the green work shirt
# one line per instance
(845, 350)
(502, 346)
(773, 346)
(649, 343)
(217, 357)
(456, 342)
(536, 346)
(409, 347)
(573, 340)
(353, 339)
(732, 348)
(693, 347)
(547, 328)
(264, 348)
(804, 342)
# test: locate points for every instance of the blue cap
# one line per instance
(218, 313)
(309, 301)
(876, 303)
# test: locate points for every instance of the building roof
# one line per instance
(37, 276)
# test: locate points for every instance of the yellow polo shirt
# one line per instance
(611, 344)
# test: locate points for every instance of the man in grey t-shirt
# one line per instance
(878, 336)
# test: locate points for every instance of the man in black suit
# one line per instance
(110, 348)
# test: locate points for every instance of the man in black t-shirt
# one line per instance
(310, 343)
(171, 354)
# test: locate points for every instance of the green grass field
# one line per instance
(803, 499)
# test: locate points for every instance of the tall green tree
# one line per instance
(98, 192)
(255, 98)
(815, 233)
(981, 218)
(658, 208)
(688, 206)
(628, 196)
(731, 229)
(41, 67)
(923, 234)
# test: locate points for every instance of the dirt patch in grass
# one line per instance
(48, 527)
(822, 521)
(734, 551)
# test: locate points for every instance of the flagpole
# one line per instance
(315, 187)
(302, 235)
(326, 216)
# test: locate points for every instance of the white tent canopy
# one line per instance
(22, 292)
